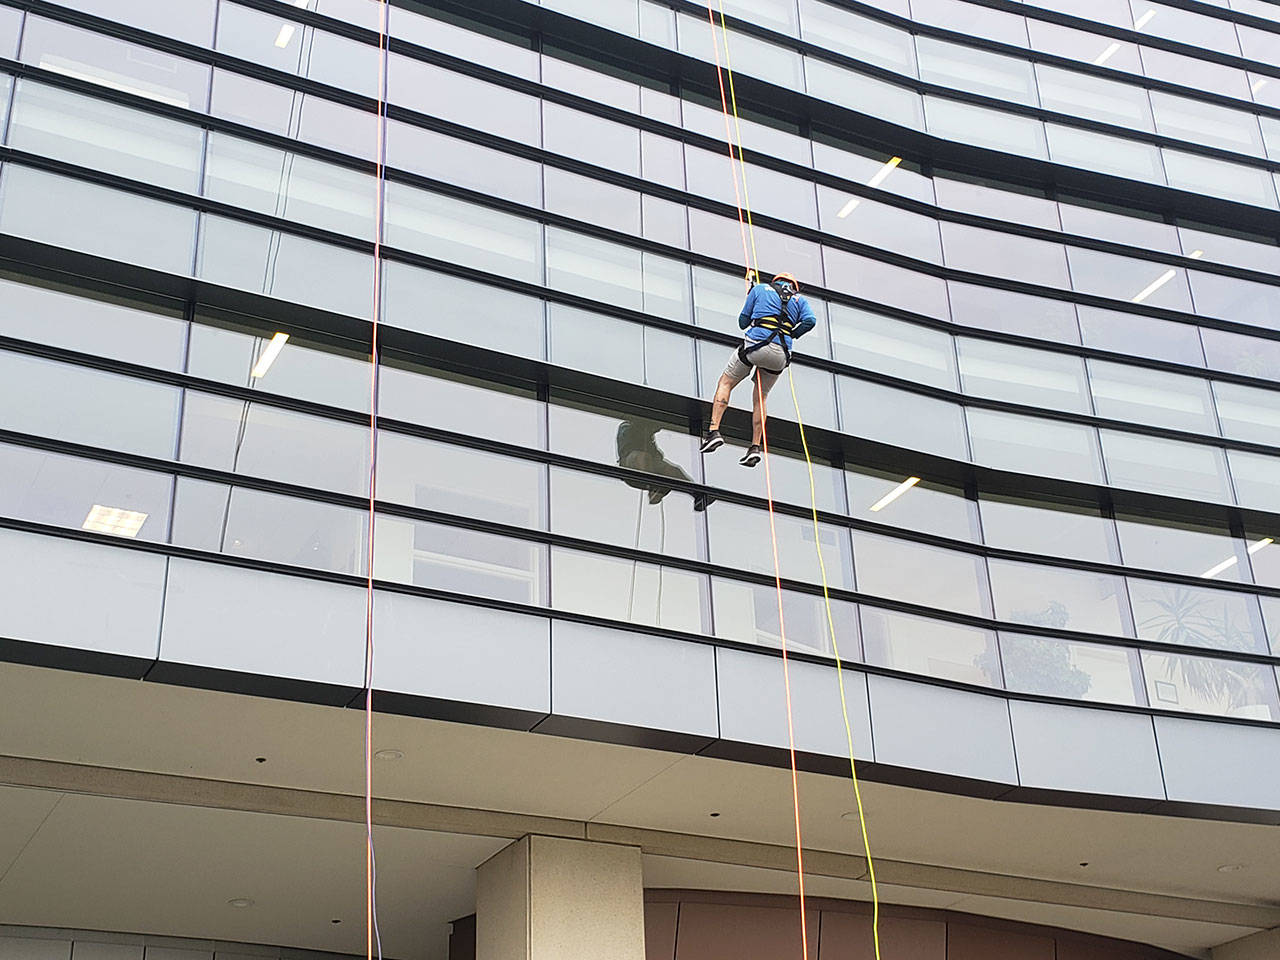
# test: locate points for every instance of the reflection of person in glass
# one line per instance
(773, 314)
(638, 450)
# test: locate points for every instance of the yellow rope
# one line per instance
(817, 540)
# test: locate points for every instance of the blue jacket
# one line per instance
(763, 301)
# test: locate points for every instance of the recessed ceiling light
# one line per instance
(114, 520)
(269, 355)
(1231, 868)
(389, 755)
(240, 903)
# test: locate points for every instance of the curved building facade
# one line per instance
(1042, 405)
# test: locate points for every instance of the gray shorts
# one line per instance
(771, 359)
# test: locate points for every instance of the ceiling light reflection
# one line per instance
(1155, 285)
(269, 355)
(894, 494)
(875, 181)
(1106, 54)
(114, 520)
(1232, 561)
(1143, 20)
(1264, 542)
(1258, 84)
(287, 31)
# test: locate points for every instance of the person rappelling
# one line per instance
(773, 317)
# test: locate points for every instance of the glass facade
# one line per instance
(1045, 429)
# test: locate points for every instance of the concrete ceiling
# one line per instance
(1010, 860)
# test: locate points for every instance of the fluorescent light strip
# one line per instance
(285, 35)
(114, 520)
(1155, 285)
(1258, 84)
(1143, 20)
(1197, 254)
(1106, 54)
(894, 494)
(1217, 568)
(875, 181)
(269, 355)
(1264, 542)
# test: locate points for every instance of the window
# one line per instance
(865, 165)
(84, 494)
(885, 283)
(506, 52)
(1264, 558)
(1248, 413)
(1077, 531)
(984, 127)
(632, 440)
(1249, 251)
(96, 220)
(605, 143)
(990, 309)
(759, 58)
(1185, 26)
(901, 419)
(1093, 98)
(469, 234)
(1195, 73)
(740, 540)
(789, 475)
(612, 273)
(1059, 598)
(1218, 178)
(591, 201)
(1139, 336)
(894, 347)
(1180, 546)
(10, 27)
(1231, 298)
(1222, 688)
(1046, 448)
(190, 21)
(867, 95)
(921, 574)
(1155, 397)
(1193, 470)
(1127, 278)
(1207, 123)
(1015, 374)
(104, 136)
(867, 40)
(721, 237)
(1049, 667)
(879, 224)
(1083, 46)
(924, 505)
(975, 70)
(1006, 255)
(407, 391)
(1257, 479)
(622, 17)
(748, 613)
(464, 163)
(971, 19)
(66, 402)
(1119, 226)
(607, 510)
(113, 63)
(1106, 154)
(437, 92)
(1197, 616)
(285, 266)
(931, 648)
(620, 349)
(629, 591)
(1237, 353)
(1005, 202)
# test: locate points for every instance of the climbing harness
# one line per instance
(738, 168)
(780, 328)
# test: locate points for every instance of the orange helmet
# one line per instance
(788, 278)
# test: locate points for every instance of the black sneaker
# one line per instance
(751, 457)
(713, 441)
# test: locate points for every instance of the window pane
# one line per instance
(502, 51)
(1005, 255)
(190, 21)
(468, 234)
(886, 283)
(1119, 226)
(1100, 11)
(1218, 178)
(96, 220)
(1208, 123)
(620, 349)
(504, 320)
(1106, 154)
(1218, 687)
(84, 494)
(1083, 46)
(920, 573)
(262, 441)
(879, 496)
(1252, 252)
(1237, 353)
(748, 613)
(1248, 413)
(628, 590)
(1059, 598)
(100, 324)
(461, 482)
(1077, 531)
(977, 71)
(864, 164)
(879, 224)
(283, 184)
(1197, 616)
(79, 405)
(990, 309)
(1127, 278)
(1015, 374)
(435, 398)
(721, 237)
(1193, 549)
(611, 511)
(113, 63)
(1243, 301)
(983, 127)
(867, 40)
(895, 347)
(105, 136)
(1003, 202)
(437, 92)
(612, 273)
(1195, 73)
(1093, 98)
(462, 561)
(1045, 448)
(740, 540)
(789, 475)
(663, 448)
(901, 419)
(1154, 397)
(1185, 26)
(285, 266)
(1049, 667)
(931, 648)
(591, 201)
(972, 20)
(1140, 336)
(1165, 466)
(867, 95)
(1264, 557)
(605, 143)
(265, 526)
(1257, 479)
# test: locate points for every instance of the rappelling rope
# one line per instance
(747, 228)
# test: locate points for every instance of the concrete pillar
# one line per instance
(548, 898)
(1257, 946)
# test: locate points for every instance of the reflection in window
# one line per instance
(1195, 549)
(920, 573)
(1194, 470)
(1248, 413)
(97, 220)
(1218, 245)
(284, 266)
(878, 224)
(460, 561)
(789, 475)
(1059, 598)
(263, 441)
(1046, 448)
(628, 590)
(1016, 374)
(104, 60)
(265, 526)
(635, 441)
(1154, 397)
(620, 349)
(436, 398)
(1223, 688)
(1127, 278)
(105, 136)
(1238, 353)
(748, 613)
(461, 482)
(910, 503)
(1049, 667)
(1197, 616)
(612, 273)
(740, 539)
(66, 402)
(84, 494)
(930, 648)
(639, 516)
(1083, 46)
(1257, 479)
(902, 418)
(1077, 531)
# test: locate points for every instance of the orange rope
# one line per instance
(728, 135)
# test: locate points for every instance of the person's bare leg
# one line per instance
(720, 403)
(761, 387)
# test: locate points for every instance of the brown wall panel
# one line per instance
(660, 930)
(719, 931)
(965, 942)
(848, 936)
